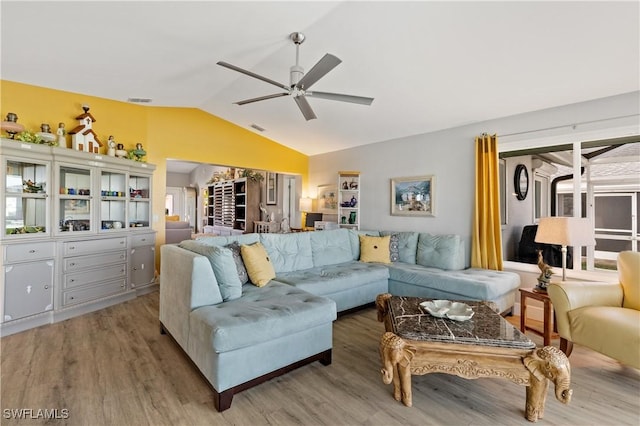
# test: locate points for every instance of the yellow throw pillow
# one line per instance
(375, 249)
(259, 266)
(174, 218)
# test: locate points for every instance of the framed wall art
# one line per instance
(413, 196)
(328, 199)
(272, 189)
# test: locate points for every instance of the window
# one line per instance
(609, 188)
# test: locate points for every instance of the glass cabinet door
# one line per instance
(75, 199)
(26, 198)
(139, 201)
(113, 191)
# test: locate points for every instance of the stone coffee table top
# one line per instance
(486, 327)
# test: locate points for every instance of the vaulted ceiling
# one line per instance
(429, 65)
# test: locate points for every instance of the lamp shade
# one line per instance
(565, 231)
(306, 204)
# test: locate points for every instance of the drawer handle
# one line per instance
(122, 256)
(143, 240)
(72, 297)
(121, 242)
(72, 264)
(46, 286)
(122, 285)
(72, 247)
(32, 251)
(135, 268)
(72, 280)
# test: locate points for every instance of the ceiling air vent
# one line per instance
(139, 100)
(258, 128)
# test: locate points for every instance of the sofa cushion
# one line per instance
(329, 279)
(471, 283)
(260, 315)
(226, 240)
(440, 251)
(330, 247)
(223, 266)
(258, 264)
(288, 252)
(609, 330)
(355, 241)
(407, 245)
(375, 249)
(629, 274)
(237, 258)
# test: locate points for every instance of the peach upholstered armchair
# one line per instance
(603, 317)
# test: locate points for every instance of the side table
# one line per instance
(547, 331)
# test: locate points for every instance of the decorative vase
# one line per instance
(10, 126)
(353, 201)
(343, 219)
(352, 218)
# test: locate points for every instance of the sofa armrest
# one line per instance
(567, 296)
(187, 281)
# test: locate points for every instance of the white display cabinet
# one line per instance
(76, 233)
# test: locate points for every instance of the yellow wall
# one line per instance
(176, 133)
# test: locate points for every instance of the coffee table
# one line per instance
(416, 343)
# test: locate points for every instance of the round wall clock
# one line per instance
(521, 181)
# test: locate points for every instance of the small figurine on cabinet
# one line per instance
(345, 185)
(83, 138)
(111, 144)
(45, 136)
(11, 126)
(120, 151)
(62, 135)
(138, 153)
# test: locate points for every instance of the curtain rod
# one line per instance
(573, 125)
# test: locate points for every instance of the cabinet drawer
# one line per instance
(87, 294)
(79, 263)
(26, 252)
(74, 248)
(93, 276)
(143, 240)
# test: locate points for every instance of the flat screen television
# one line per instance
(311, 219)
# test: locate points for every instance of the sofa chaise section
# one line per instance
(242, 342)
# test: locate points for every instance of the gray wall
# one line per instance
(449, 155)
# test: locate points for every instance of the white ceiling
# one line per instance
(429, 65)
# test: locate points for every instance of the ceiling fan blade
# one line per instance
(324, 65)
(305, 107)
(261, 98)
(254, 75)
(340, 97)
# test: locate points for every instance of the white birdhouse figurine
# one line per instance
(83, 138)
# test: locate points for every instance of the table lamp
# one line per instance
(305, 206)
(565, 231)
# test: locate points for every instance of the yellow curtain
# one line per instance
(486, 238)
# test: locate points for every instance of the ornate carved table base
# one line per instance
(533, 368)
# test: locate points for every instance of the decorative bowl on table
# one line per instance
(456, 311)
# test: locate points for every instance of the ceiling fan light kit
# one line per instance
(301, 82)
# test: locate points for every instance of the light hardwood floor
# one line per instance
(113, 367)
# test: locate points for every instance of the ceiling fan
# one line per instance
(301, 82)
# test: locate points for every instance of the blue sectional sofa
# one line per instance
(239, 335)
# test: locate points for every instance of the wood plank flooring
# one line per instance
(113, 367)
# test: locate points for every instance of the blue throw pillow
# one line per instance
(237, 258)
(223, 265)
